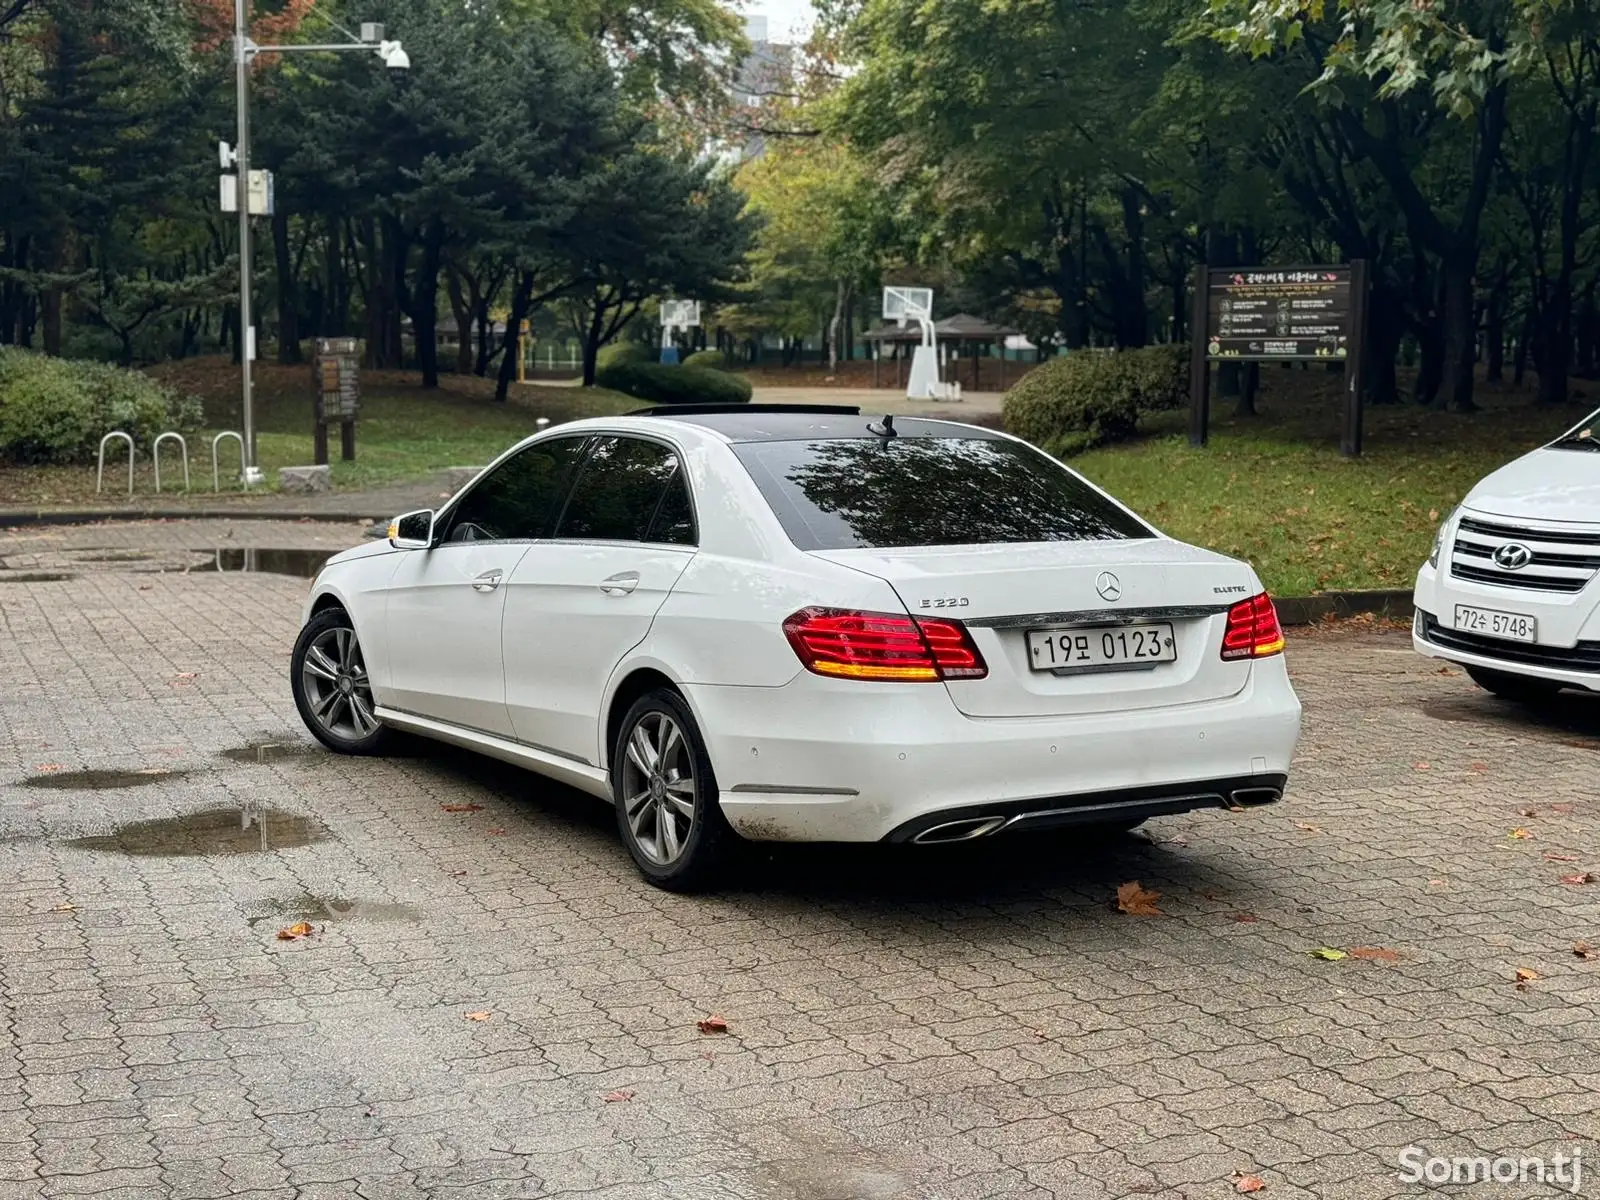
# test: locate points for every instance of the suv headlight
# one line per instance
(1438, 538)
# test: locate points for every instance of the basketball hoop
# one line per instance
(904, 305)
(676, 315)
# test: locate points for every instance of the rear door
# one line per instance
(576, 605)
(994, 534)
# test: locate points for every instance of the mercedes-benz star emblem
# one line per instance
(1109, 586)
(1513, 556)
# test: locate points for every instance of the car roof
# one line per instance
(796, 422)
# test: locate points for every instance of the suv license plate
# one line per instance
(1513, 627)
(1102, 647)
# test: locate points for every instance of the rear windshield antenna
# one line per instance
(884, 428)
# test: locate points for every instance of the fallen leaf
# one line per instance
(1586, 877)
(301, 929)
(183, 678)
(617, 1096)
(1308, 827)
(1477, 766)
(713, 1024)
(1421, 766)
(496, 832)
(1437, 883)
(145, 587)
(1446, 671)
(1584, 950)
(65, 908)
(1552, 856)
(1374, 953)
(457, 874)
(1328, 954)
(1526, 974)
(457, 808)
(43, 767)
(1247, 1183)
(1520, 834)
(1563, 810)
(1134, 900)
(1527, 812)
(482, 1015)
(1245, 918)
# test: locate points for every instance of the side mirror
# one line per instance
(412, 531)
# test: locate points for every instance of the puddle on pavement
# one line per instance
(267, 751)
(1571, 719)
(36, 576)
(211, 832)
(307, 907)
(300, 564)
(100, 781)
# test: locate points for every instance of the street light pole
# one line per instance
(244, 52)
(242, 56)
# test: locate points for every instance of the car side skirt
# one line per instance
(583, 776)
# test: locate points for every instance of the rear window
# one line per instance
(893, 492)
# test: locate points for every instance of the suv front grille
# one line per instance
(1560, 559)
(1585, 656)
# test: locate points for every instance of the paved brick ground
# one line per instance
(957, 1025)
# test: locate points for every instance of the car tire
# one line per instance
(669, 810)
(1521, 689)
(328, 676)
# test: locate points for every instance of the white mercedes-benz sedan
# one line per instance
(805, 624)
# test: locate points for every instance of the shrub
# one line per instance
(617, 353)
(1088, 399)
(710, 360)
(659, 384)
(56, 410)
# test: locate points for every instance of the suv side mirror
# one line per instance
(412, 531)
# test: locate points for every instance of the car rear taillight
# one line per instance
(883, 646)
(1253, 630)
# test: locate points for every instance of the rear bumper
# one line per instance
(832, 760)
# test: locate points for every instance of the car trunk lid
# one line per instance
(1002, 592)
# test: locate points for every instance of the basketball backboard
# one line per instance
(907, 303)
(680, 314)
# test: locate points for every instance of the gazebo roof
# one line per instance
(963, 327)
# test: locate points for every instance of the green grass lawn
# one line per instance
(404, 432)
(1274, 489)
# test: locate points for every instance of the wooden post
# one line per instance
(1002, 364)
(347, 439)
(1355, 363)
(1199, 364)
(319, 453)
(876, 353)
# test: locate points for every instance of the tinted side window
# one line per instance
(522, 497)
(907, 491)
(674, 520)
(619, 490)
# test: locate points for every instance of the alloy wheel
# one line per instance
(658, 788)
(336, 685)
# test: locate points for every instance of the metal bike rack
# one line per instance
(100, 474)
(183, 449)
(216, 477)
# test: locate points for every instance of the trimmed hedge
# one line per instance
(660, 384)
(1087, 399)
(710, 360)
(56, 410)
(617, 353)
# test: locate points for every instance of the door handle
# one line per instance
(620, 585)
(488, 581)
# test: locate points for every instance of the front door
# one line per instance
(576, 605)
(446, 603)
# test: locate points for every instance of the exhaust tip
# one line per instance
(959, 831)
(1255, 797)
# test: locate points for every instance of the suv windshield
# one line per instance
(1585, 437)
(914, 491)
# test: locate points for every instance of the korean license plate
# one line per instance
(1514, 627)
(1102, 647)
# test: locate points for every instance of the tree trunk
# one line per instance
(461, 310)
(288, 308)
(1458, 317)
(425, 304)
(1385, 331)
(1519, 364)
(592, 338)
(520, 301)
(841, 297)
(1585, 365)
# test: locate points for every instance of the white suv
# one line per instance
(1509, 590)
